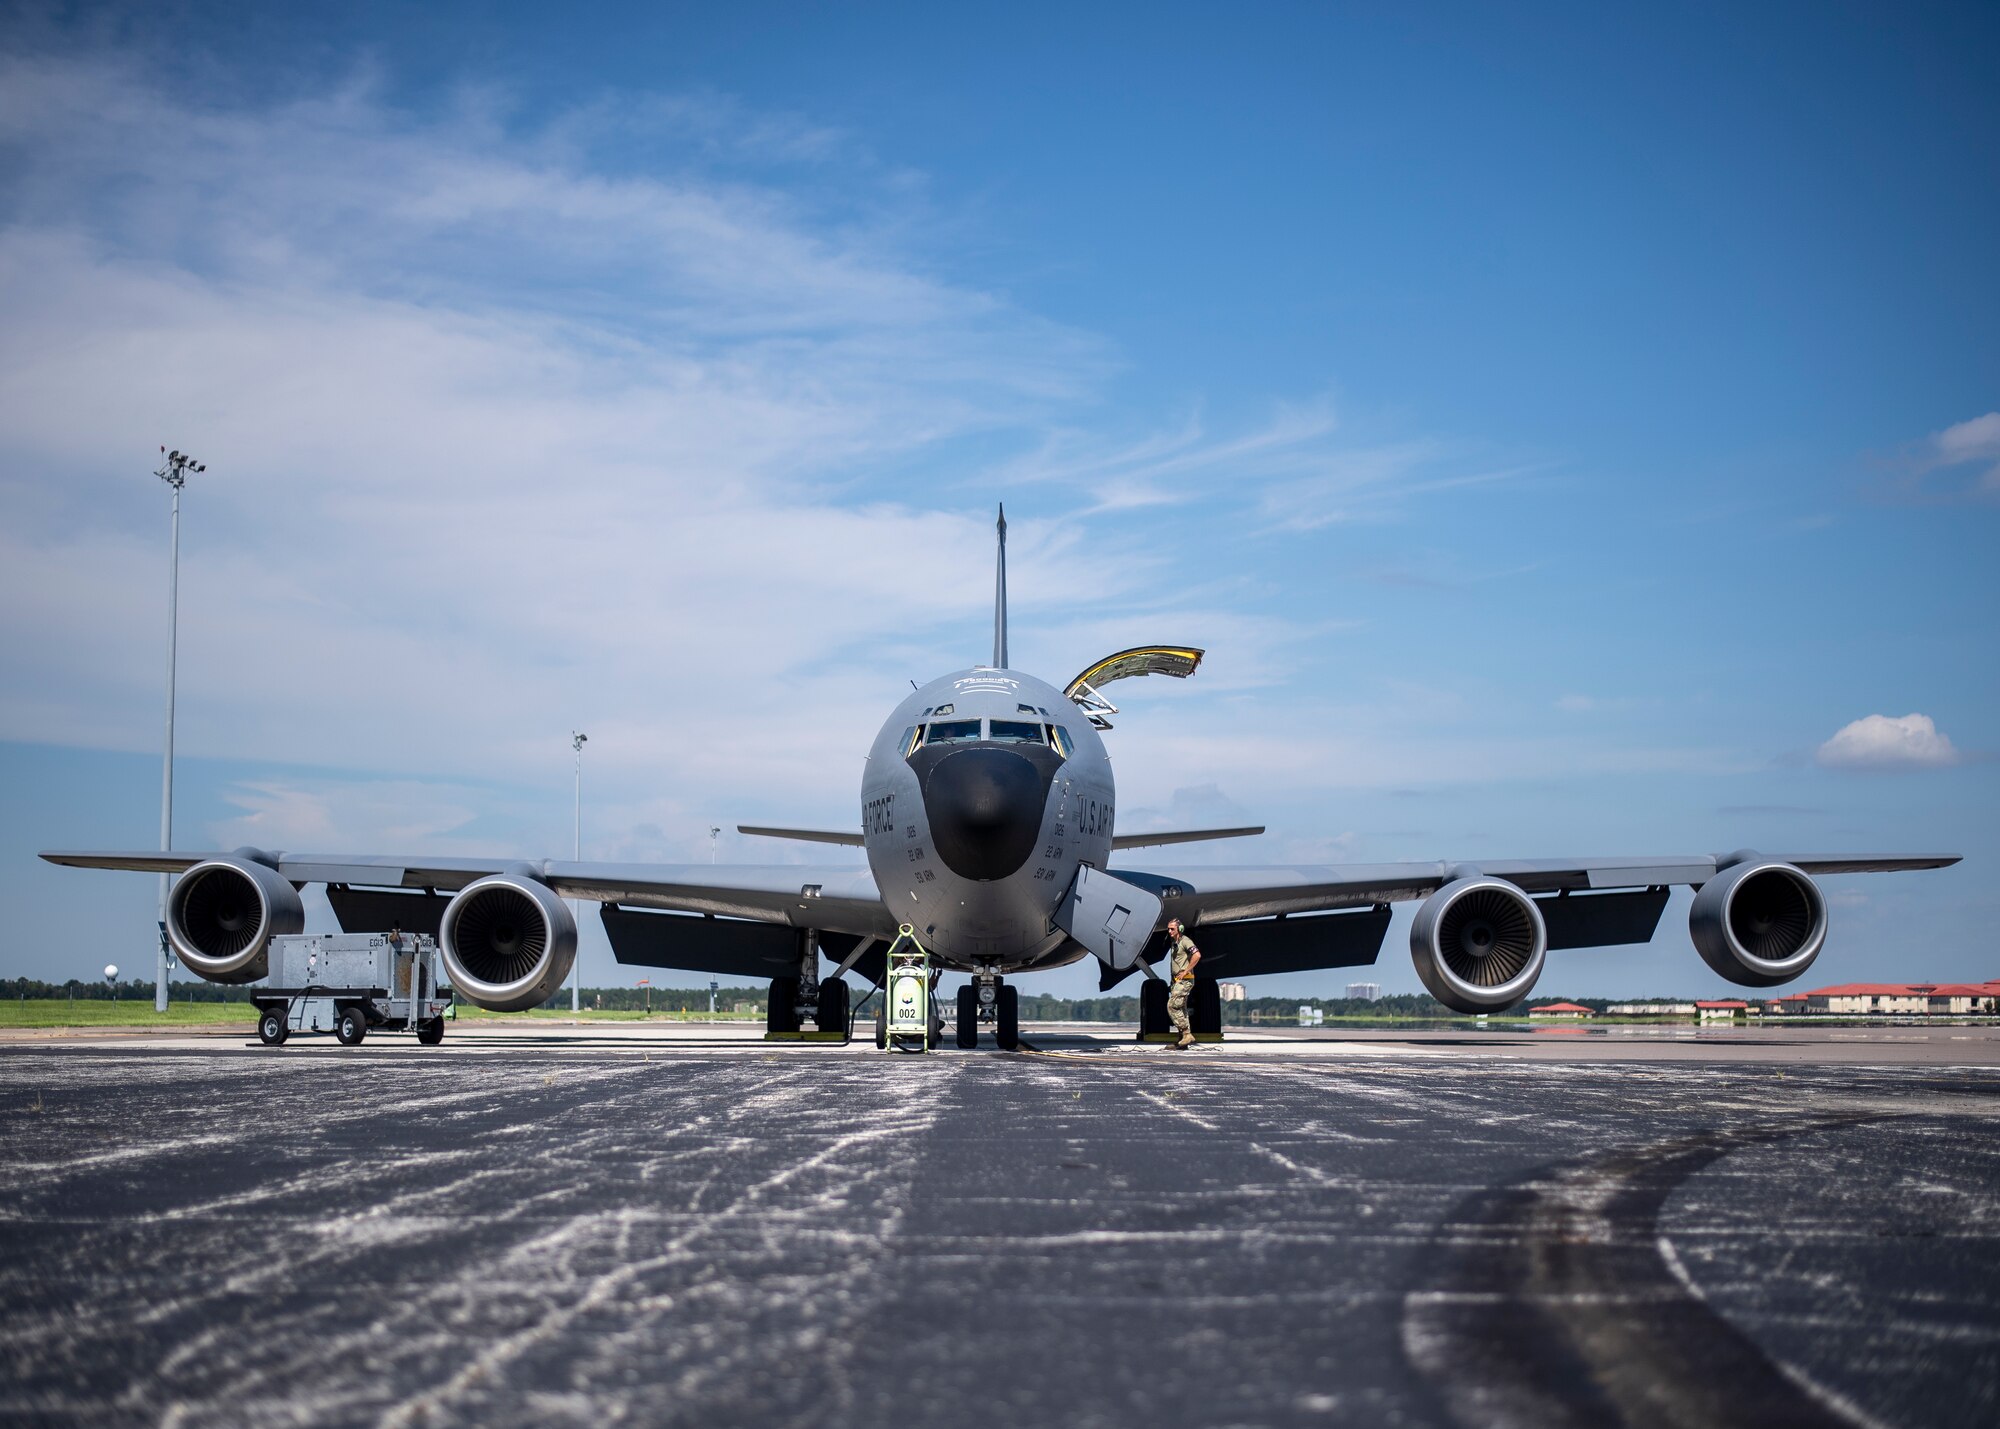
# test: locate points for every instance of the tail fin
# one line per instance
(1000, 597)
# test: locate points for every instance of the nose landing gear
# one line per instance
(988, 1000)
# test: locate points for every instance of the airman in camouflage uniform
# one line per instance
(1182, 955)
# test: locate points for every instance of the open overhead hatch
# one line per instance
(1179, 661)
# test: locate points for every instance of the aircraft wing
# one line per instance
(1220, 894)
(852, 838)
(838, 899)
(1182, 836)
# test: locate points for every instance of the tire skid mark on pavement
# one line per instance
(1555, 1308)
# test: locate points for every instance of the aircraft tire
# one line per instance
(431, 1031)
(968, 1016)
(271, 1029)
(352, 1027)
(1007, 1018)
(1152, 1007)
(831, 1015)
(1205, 1007)
(781, 1012)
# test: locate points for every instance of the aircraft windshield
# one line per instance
(951, 731)
(1019, 731)
(1003, 731)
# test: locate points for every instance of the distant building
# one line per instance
(1231, 991)
(1847, 999)
(1310, 1016)
(1965, 997)
(1561, 1009)
(1909, 999)
(1364, 991)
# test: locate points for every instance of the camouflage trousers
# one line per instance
(1177, 1001)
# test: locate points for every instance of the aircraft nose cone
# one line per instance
(985, 810)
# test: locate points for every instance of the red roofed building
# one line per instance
(1561, 1009)
(1964, 997)
(1910, 999)
(1722, 1009)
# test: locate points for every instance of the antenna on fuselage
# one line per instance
(1000, 596)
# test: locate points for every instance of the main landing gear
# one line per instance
(787, 1012)
(801, 997)
(988, 1000)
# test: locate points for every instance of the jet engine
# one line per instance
(223, 913)
(508, 942)
(1478, 944)
(1758, 922)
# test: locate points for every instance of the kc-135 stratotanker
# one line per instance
(989, 815)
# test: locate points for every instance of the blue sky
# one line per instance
(1560, 429)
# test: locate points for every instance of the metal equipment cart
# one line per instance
(907, 1021)
(351, 983)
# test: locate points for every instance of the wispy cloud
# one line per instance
(1295, 469)
(509, 433)
(1959, 463)
(502, 433)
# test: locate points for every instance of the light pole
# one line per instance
(576, 742)
(174, 472)
(713, 831)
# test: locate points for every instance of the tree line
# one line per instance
(1035, 1007)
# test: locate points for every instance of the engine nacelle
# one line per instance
(1478, 944)
(222, 915)
(508, 942)
(1758, 922)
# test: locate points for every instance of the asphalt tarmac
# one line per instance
(549, 1226)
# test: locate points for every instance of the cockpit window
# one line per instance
(911, 739)
(1018, 731)
(1059, 739)
(948, 731)
(940, 710)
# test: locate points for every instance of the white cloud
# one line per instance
(344, 814)
(1970, 441)
(501, 440)
(1974, 442)
(506, 439)
(1882, 742)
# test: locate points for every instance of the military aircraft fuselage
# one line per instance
(984, 792)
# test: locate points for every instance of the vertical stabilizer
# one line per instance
(1000, 597)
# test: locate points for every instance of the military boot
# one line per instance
(1187, 1041)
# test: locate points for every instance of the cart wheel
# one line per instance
(351, 1027)
(271, 1029)
(881, 1027)
(431, 1032)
